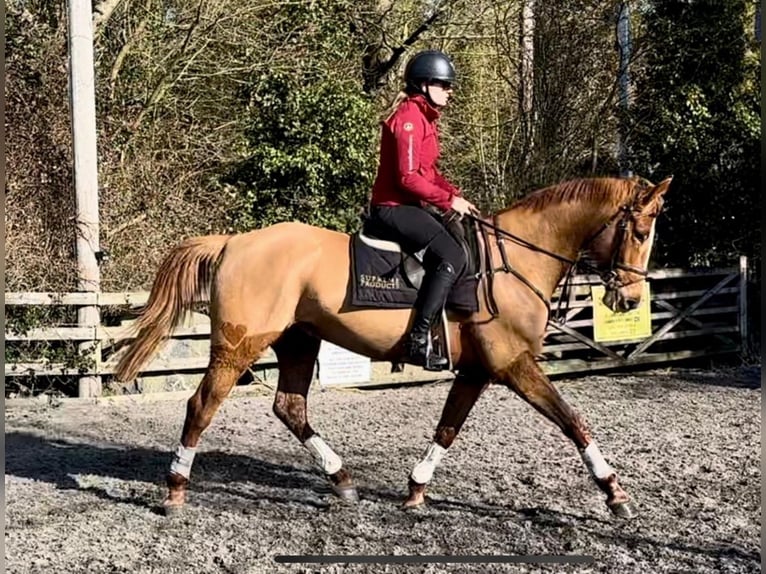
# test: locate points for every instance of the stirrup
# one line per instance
(436, 362)
(422, 355)
(429, 361)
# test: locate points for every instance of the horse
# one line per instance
(286, 285)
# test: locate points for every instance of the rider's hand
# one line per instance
(462, 205)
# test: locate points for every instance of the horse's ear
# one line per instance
(654, 193)
(662, 187)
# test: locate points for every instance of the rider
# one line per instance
(407, 181)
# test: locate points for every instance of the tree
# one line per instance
(308, 155)
(697, 116)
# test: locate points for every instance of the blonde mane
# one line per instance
(604, 189)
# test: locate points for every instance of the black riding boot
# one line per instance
(428, 306)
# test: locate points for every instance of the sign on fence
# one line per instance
(628, 326)
(338, 366)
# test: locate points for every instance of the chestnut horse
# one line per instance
(286, 286)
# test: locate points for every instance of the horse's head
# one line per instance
(625, 245)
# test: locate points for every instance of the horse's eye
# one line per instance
(640, 236)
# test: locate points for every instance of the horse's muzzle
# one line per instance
(618, 303)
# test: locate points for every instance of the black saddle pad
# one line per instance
(378, 281)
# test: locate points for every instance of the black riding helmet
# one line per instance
(427, 66)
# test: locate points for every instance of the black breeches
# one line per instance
(415, 228)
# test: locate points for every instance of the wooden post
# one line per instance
(743, 328)
(527, 76)
(83, 112)
(624, 44)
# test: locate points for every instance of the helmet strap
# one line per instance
(420, 89)
(427, 92)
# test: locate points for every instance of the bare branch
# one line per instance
(165, 80)
(124, 51)
(102, 12)
(374, 71)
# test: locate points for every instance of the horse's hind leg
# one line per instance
(228, 361)
(527, 379)
(296, 352)
(465, 391)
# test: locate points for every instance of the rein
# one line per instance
(609, 277)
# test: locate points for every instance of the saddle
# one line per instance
(384, 276)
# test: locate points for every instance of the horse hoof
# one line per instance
(346, 493)
(624, 509)
(408, 506)
(414, 502)
(171, 510)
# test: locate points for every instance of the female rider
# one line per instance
(407, 180)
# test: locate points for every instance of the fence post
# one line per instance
(743, 327)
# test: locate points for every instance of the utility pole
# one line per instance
(83, 113)
(624, 44)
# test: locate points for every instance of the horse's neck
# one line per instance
(558, 229)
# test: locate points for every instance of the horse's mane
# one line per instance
(602, 189)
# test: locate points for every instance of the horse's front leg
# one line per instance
(526, 378)
(464, 393)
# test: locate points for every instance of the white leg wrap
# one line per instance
(596, 464)
(324, 456)
(424, 470)
(182, 461)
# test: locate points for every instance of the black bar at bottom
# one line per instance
(351, 559)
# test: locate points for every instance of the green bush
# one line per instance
(310, 154)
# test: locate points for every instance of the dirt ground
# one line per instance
(83, 482)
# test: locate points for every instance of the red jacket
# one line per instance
(409, 149)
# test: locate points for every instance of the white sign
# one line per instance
(338, 366)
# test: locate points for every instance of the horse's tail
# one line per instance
(183, 279)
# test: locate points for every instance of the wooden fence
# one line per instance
(694, 313)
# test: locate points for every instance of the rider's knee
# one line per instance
(456, 261)
(445, 268)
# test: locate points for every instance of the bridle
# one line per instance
(609, 277)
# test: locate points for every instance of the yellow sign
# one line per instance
(627, 326)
